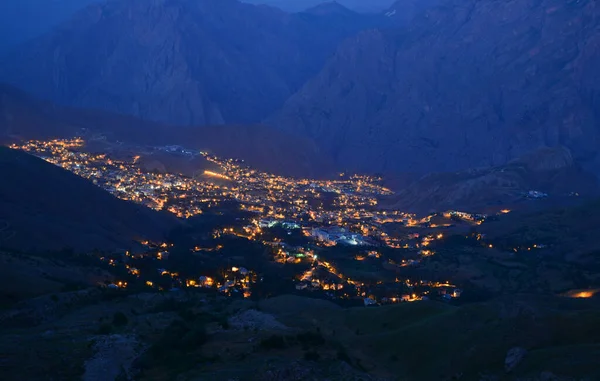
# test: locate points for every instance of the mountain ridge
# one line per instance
(474, 83)
(180, 61)
(552, 171)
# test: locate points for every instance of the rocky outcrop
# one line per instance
(513, 357)
(255, 320)
(470, 83)
(113, 358)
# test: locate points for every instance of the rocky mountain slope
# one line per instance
(185, 62)
(373, 6)
(470, 83)
(402, 12)
(45, 207)
(549, 170)
(109, 336)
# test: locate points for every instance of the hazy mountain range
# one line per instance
(470, 83)
(22, 20)
(181, 61)
(422, 86)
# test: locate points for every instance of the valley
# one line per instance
(299, 190)
(248, 231)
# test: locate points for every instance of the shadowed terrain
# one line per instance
(44, 207)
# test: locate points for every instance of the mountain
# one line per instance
(23, 117)
(22, 20)
(329, 8)
(402, 12)
(372, 6)
(185, 62)
(43, 207)
(468, 84)
(548, 170)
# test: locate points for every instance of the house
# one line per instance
(290, 225)
(267, 223)
(320, 234)
(370, 302)
(336, 234)
(536, 194)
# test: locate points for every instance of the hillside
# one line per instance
(549, 170)
(184, 62)
(433, 341)
(566, 231)
(470, 84)
(23, 117)
(44, 207)
(194, 336)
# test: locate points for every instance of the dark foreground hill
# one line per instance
(194, 336)
(45, 207)
(432, 341)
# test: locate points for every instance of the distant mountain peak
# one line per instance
(329, 8)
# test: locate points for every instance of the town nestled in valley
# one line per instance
(329, 237)
(299, 190)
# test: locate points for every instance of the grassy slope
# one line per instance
(572, 231)
(413, 341)
(434, 341)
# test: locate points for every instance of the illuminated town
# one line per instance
(298, 221)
